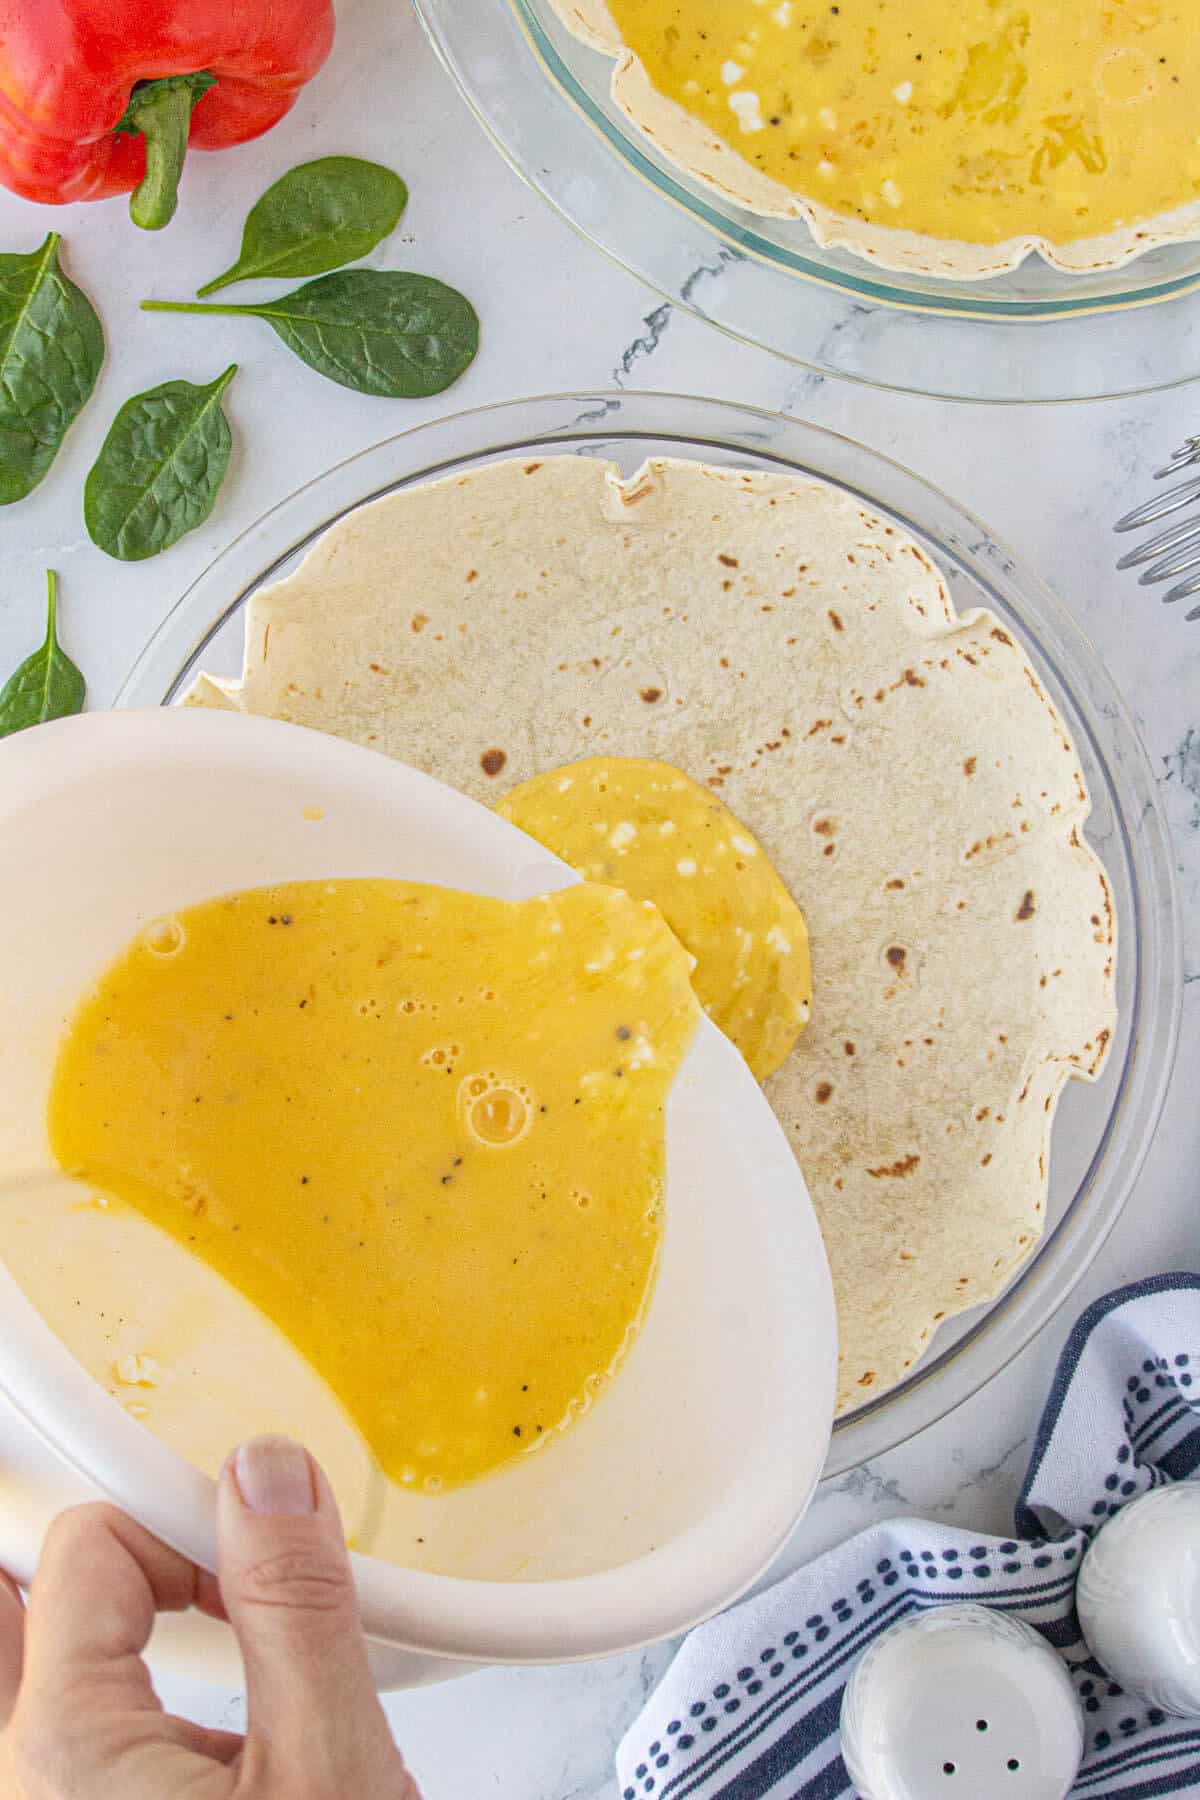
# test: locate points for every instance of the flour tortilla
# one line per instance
(692, 146)
(903, 767)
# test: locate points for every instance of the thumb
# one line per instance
(287, 1588)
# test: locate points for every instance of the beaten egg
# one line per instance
(974, 120)
(422, 1131)
(653, 831)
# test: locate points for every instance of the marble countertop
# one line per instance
(556, 315)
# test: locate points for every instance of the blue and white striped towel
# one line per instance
(749, 1709)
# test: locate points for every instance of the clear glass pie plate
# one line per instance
(1035, 334)
(1103, 1129)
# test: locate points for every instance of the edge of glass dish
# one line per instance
(1066, 1251)
(887, 287)
(621, 202)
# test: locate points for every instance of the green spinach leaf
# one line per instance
(160, 468)
(51, 350)
(378, 331)
(47, 685)
(317, 217)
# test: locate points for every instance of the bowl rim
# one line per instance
(1057, 641)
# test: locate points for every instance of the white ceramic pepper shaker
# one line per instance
(1139, 1597)
(961, 1703)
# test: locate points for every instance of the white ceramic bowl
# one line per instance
(675, 1491)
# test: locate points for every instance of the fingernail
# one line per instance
(275, 1476)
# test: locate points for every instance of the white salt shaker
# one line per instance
(1139, 1597)
(961, 1703)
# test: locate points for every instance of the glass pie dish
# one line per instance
(1034, 334)
(1103, 1129)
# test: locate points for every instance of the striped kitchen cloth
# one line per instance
(749, 1709)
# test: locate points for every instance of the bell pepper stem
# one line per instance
(162, 112)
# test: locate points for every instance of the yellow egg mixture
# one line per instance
(649, 829)
(978, 120)
(422, 1131)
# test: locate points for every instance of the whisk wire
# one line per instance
(1175, 552)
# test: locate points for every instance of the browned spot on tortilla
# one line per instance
(985, 1160)
(1026, 909)
(969, 767)
(992, 842)
(835, 621)
(896, 1171)
(849, 1047)
(824, 1092)
(378, 669)
(1001, 637)
(587, 719)
(913, 679)
(724, 662)
(905, 1256)
(866, 1378)
(650, 695)
(532, 468)
(818, 725)
(726, 585)
(897, 956)
(730, 562)
(419, 621)
(894, 883)
(824, 827)
(829, 850)
(492, 761)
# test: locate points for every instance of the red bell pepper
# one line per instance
(101, 96)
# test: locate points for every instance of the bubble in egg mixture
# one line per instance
(164, 937)
(497, 1113)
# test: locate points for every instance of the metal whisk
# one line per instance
(1174, 554)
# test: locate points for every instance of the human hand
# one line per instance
(79, 1716)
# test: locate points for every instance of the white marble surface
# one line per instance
(555, 316)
